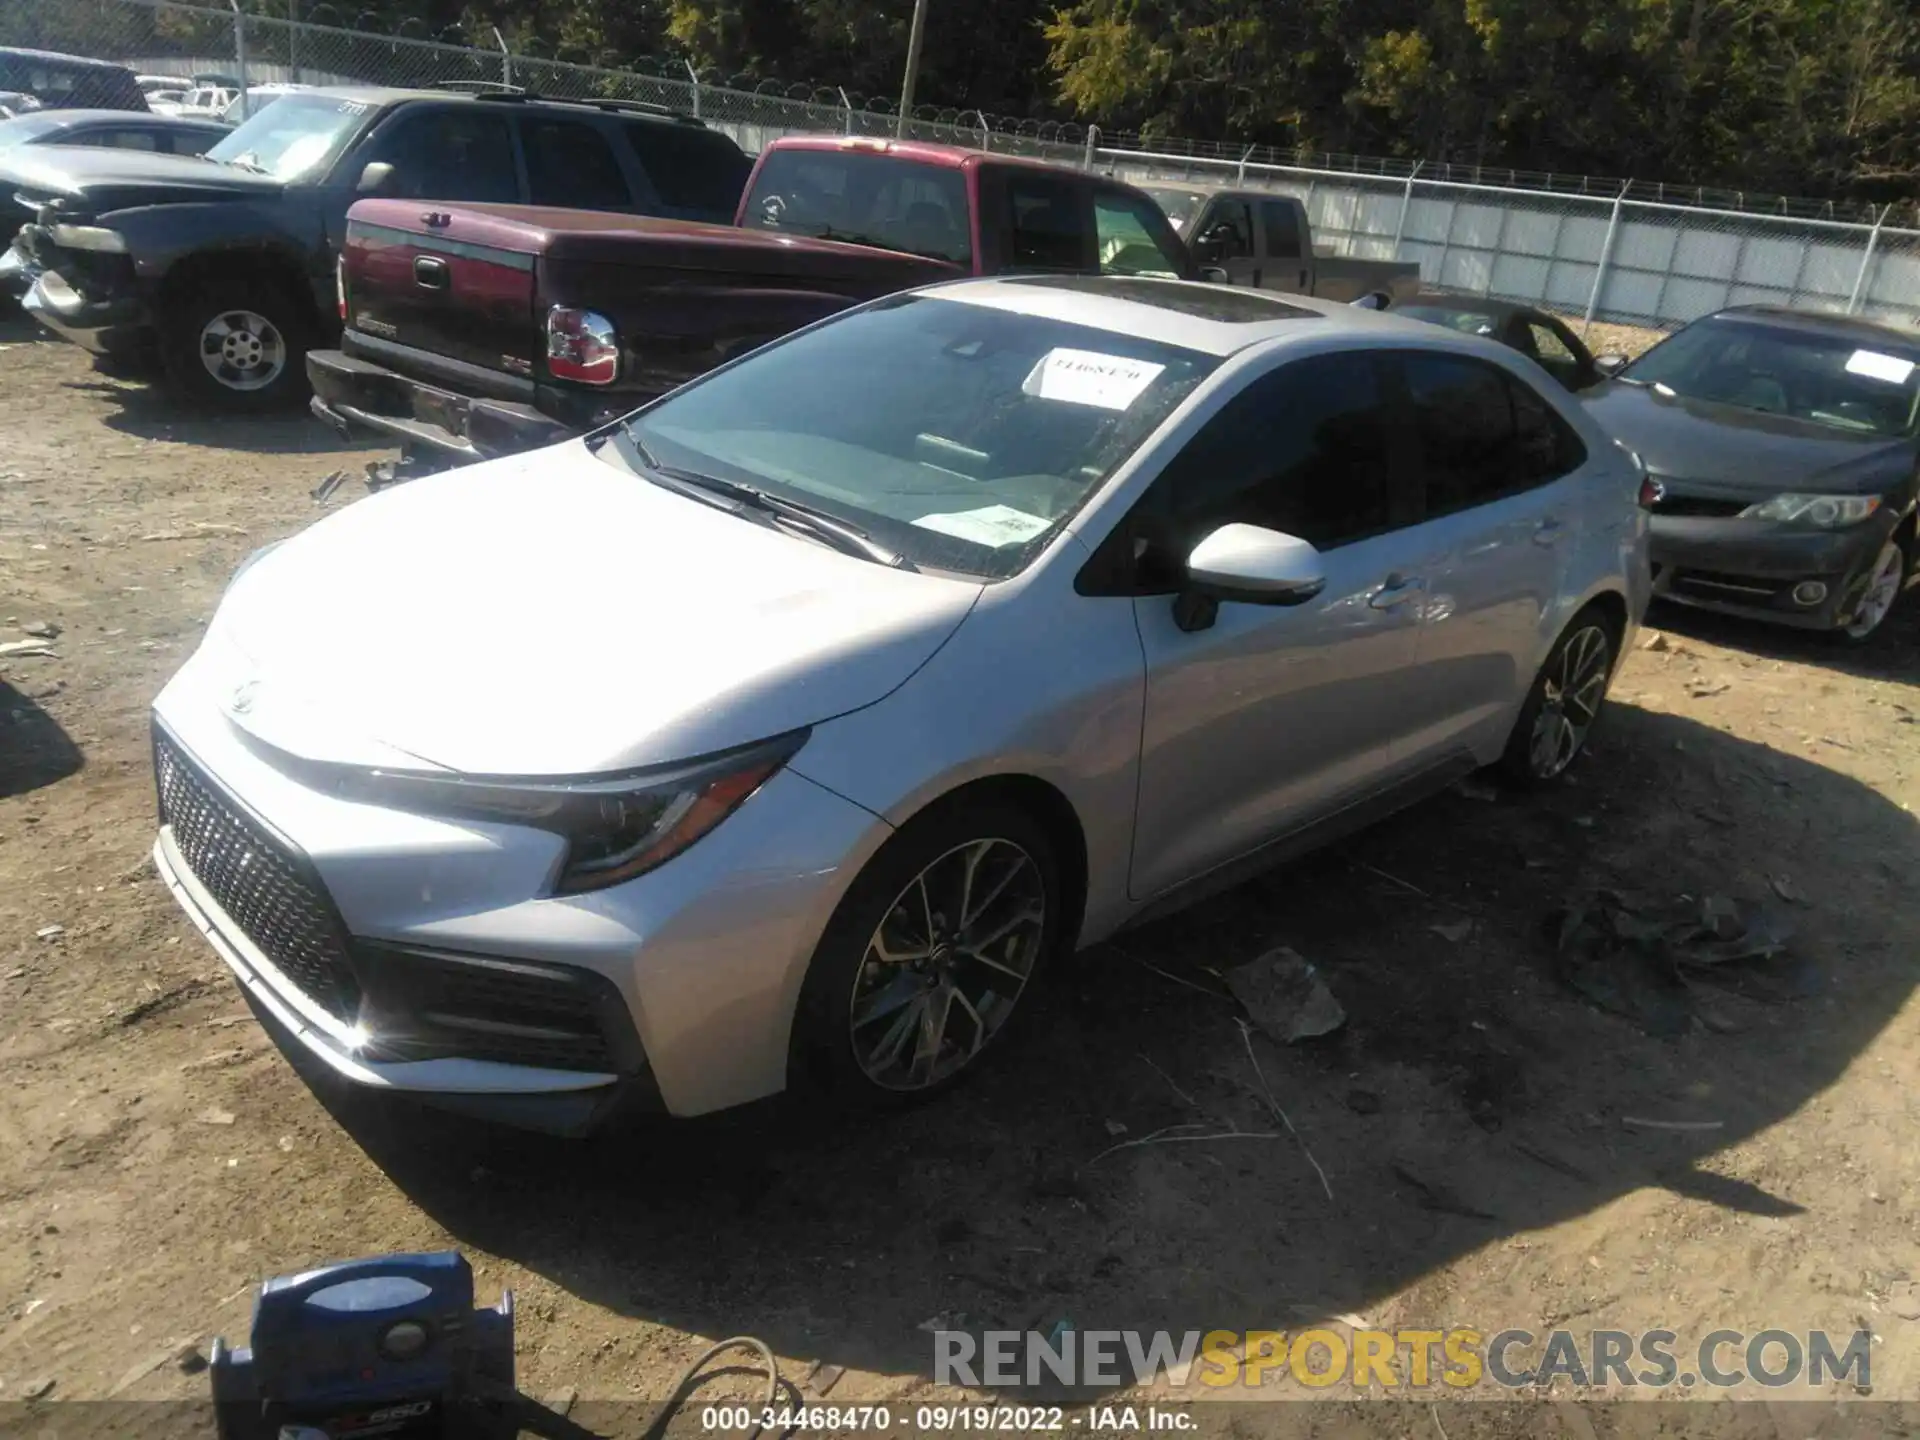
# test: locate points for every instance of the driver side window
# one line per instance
(1306, 450)
(1229, 224)
(456, 153)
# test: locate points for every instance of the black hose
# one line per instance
(532, 1416)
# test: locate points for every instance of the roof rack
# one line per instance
(477, 87)
(489, 90)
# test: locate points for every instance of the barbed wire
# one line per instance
(345, 41)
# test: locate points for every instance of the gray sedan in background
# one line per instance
(1783, 458)
(876, 669)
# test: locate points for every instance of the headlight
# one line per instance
(615, 828)
(1821, 512)
(89, 237)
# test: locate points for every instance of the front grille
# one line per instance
(1699, 505)
(422, 1005)
(257, 881)
(1718, 586)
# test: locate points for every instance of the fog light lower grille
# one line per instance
(1809, 593)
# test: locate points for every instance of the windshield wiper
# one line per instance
(848, 539)
(247, 162)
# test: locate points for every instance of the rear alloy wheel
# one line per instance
(1563, 705)
(930, 954)
(1884, 581)
(241, 347)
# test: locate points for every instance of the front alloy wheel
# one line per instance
(947, 964)
(242, 351)
(1876, 602)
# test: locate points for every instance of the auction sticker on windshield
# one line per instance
(990, 525)
(1086, 377)
(1875, 366)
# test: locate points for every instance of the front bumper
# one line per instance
(117, 326)
(17, 272)
(687, 977)
(352, 394)
(1747, 567)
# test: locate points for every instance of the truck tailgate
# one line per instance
(451, 282)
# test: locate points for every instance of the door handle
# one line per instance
(430, 272)
(1548, 532)
(1396, 591)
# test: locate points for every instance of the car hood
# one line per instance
(1743, 451)
(106, 180)
(554, 614)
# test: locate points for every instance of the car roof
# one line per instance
(952, 157)
(66, 119)
(1188, 314)
(56, 57)
(1821, 322)
(383, 95)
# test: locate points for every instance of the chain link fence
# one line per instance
(1625, 252)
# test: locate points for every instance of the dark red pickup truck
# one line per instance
(479, 330)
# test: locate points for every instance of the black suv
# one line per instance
(69, 82)
(223, 267)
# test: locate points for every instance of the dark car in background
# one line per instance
(1539, 336)
(69, 82)
(547, 323)
(1781, 450)
(223, 268)
(22, 139)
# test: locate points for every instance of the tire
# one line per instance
(239, 347)
(1581, 664)
(855, 1033)
(1886, 579)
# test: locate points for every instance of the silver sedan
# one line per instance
(783, 732)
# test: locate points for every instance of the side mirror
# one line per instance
(1609, 365)
(1373, 300)
(1251, 565)
(1214, 275)
(374, 178)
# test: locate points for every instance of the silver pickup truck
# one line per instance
(1263, 239)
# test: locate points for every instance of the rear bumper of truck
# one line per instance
(359, 398)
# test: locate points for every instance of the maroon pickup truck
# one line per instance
(479, 330)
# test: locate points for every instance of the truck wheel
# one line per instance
(238, 347)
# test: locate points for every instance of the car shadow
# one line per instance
(35, 751)
(1471, 1095)
(1891, 655)
(148, 411)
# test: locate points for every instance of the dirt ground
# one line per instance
(1476, 1120)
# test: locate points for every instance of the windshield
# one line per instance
(23, 128)
(957, 435)
(1179, 206)
(864, 198)
(1467, 322)
(1779, 370)
(292, 136)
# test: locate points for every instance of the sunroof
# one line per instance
(1228, 304)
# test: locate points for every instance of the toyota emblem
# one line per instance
(243, 697)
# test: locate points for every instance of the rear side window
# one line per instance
(462, 153)
(863, 198)
(1044, 216)
(691, 169)
(122, 139)
(571, 164)
(1282, 224)
(1483, 435)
